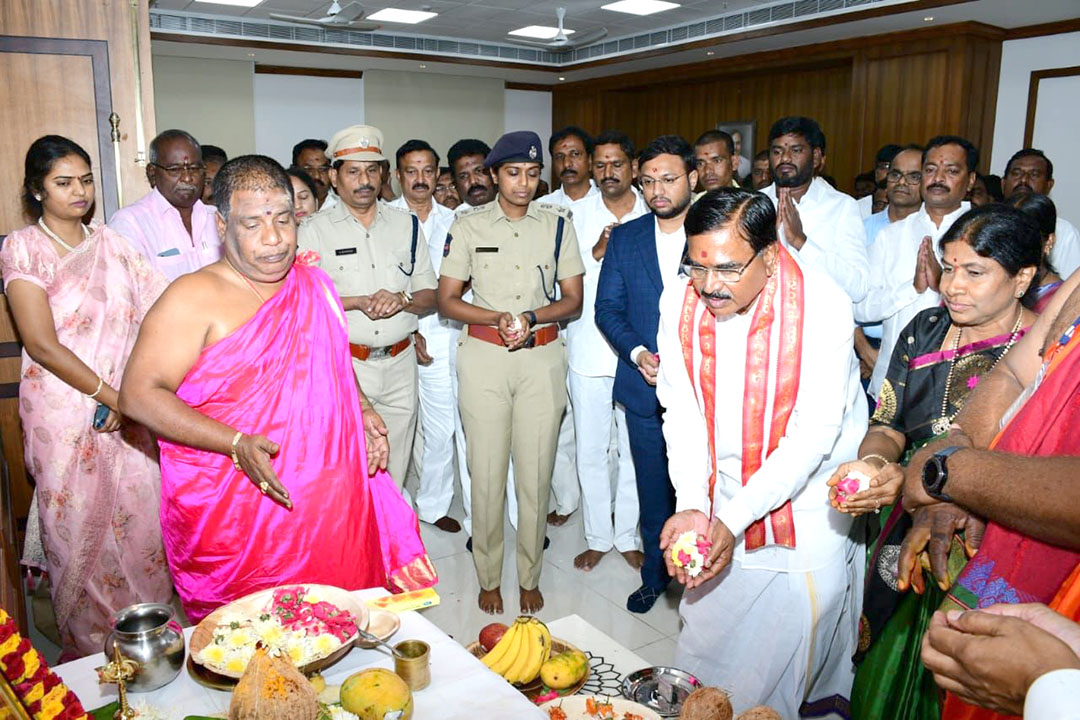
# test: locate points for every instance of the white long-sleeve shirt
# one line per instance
(1053, 696)
(1065, 256)
(435, 229)
(589, 352)
(835, 238)
(892, 298)
(825, 428)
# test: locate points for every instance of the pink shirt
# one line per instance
(154, 228)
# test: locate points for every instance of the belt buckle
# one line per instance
(531, 342)
(379, 353)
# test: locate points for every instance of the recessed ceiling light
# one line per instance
(541, 32)
(395, 15)
(237, 3)
(423, 66)
(561, 77)
(640, 7)
(929, 18)
(710, 52)
(251, 54)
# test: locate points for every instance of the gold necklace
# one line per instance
(942, 424)
(247, 282)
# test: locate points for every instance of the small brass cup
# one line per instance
(413, 663)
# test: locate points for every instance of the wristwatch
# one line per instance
(531, 317)
(936, 473)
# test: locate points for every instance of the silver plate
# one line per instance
(662, 689)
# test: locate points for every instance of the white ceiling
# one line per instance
(485, 20)
(1001, 13)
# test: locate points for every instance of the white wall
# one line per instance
(291, 108)
(530, 110)
(1058, 108)
(211, 99)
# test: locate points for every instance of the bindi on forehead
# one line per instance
(703, 255)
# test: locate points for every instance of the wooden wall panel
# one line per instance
(865, 92)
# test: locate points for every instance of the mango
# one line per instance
(377, 694)
(564, 670)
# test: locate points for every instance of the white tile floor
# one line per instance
(598, 596)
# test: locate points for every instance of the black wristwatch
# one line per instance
(936, 473)
(531, 317)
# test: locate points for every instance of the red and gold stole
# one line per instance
(783, 297)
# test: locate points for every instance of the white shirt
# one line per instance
(892, 299)
(825, 429)
(1053, 696)
(669, 252)
(835, 238)
(559, 197)
(1065, 257)
(435, 227)
(866, 205)
(589, 352)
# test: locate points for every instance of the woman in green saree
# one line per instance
(990, 257)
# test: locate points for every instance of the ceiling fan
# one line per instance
(562, 42)
(350, 16)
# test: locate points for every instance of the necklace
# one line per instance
(941, 425)
(247, 282)
(78, 249)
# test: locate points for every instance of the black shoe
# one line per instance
(642, 599)
(468, 544)
(547, 542)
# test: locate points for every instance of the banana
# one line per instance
(535, 656)
(530, 647)
(501, 649)
(514, 638)
(545, 636)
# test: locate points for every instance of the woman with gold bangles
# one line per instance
(990, 257)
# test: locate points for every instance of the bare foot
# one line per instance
(555, 519)
(587, 560)
(491, 601)
(634, 558)
(531, 601)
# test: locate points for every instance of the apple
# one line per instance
(491, 635)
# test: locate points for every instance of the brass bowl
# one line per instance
(536, 688)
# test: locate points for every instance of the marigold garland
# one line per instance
(37, 687)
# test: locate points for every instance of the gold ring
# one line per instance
(264, 487)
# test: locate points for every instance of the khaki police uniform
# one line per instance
(511, 402)
(361, 261)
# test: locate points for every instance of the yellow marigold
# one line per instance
(32, 662)
(51, 709)
(35, 693)
(11, 644)
(55, 696)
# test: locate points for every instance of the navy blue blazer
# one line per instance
(628, 307)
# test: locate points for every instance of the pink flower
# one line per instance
(684, 558)
(972, 382)
(308, 257)
(847, 486)
(703, 545)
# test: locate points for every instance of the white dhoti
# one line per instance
(565, 493)
(433, 453)
(782, 639)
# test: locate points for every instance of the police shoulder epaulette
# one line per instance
(395, 209)
(555, 208)
(474, 210)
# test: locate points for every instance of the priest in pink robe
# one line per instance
(272, 459)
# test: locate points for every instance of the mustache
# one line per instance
(610, 181)
(362, 188)
(476, 189)
(568, 171)
(183, 187)
(421, 186)
(717, 295)
(937, 186)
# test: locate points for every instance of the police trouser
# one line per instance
(511, 404)
(390, 385)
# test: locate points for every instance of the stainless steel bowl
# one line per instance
(149, 635)
(661, 689)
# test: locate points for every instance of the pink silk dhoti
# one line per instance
(286, 374)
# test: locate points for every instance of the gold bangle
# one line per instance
(882, 458)
(235, 459)
(100, 384)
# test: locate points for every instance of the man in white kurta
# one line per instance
(898, 291)
(820, 224)
(433, 449)
(592, 369)
(773, 619)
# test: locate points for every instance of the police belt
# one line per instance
(543, 336)
(363, 352)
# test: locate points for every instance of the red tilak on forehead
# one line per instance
(702, 254)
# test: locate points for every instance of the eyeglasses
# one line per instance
(180, 170)
(728, 275)
(647, 182)
(913, 178)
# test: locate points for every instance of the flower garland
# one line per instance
(38, 688)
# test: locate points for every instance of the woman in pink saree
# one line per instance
(78, 295)
(269, 380)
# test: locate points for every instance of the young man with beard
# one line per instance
(472, 181)
(378, 258)
(642, 259)
(906, 269)
(817, 222)
(593, 364)
(433, 448)
(511, 361)
(762, 398)
(171, 225)
(1030, 171)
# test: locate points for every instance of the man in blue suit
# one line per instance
(641, 258)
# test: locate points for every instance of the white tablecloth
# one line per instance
(461, 686)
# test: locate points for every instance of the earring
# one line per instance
(38, 198)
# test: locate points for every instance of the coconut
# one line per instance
(707, 703)
(761, 712)
(271, 688)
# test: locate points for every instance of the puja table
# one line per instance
(461, 686)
